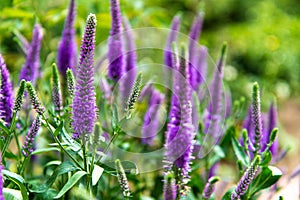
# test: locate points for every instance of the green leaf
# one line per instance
(18, 180)
(96, 174)
(65, 167)
(4, 128)
(44, 150)
(218, 155)
(11, 194)
(58, 129)
(239, 152)
(267, 177)
(227, 195)
(71, 182)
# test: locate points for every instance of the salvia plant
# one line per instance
(85, 135)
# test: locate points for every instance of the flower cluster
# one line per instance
(6, 93)
(84, 103)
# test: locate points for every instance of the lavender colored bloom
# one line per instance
(28, 146)
(213, 117)
(213, 169)
(84, 103)
(180, 130)
(228, 103)
(151, 118)
(6, 93)
(170, 189)
(247, 178)
(105, 88)
(115, 43)
(272, 123)
(209, 187)
(171, 38)
(193, 52)
(256, 118)
(30, 69)
(130, 64)
(67, 53)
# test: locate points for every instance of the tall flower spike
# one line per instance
(175, 25)
(246, 179)
(30, 69)
(130, 66)
(36, 104)
(193, 42)
(180, 131)
(28, 146)
(84, 102)
(201, 66)
(122, 178)
(209, 187)
(67, 53)
(70, 83)
(151, 118)
(272, 123)
(256, 118)
(135, 93)
(20, 96)
(169, 187)
(115, 43)
(6, 93)
(213, 126)
(56, 91)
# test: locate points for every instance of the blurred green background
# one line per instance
(263, 41)
(262, 35)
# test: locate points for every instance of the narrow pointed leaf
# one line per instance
(71, 182)
(18, 180)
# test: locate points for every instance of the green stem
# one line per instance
(18, 145)
(83, 147)
(23, 165)
(58, 142)
(11, 129)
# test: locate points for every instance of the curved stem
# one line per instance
(58, 142)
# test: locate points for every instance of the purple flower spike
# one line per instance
(201, 66)
(246, 180)
(84, 102)
(130, 66)
(180, 130)
(6, 93)
(28, 146)
(209, 187)
(175, 25)
(30, 69)
(115, 43)
(256, 118)
(151, 118)
(193, 52)
(272, 123)
(213, 126)
(67, 53)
